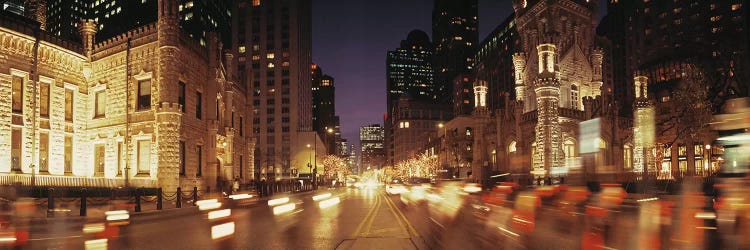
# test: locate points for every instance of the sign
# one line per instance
(589, 136)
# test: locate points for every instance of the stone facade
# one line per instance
(151, 79)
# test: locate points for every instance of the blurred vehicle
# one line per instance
(352, 180)
(416, 195)
(396, 187)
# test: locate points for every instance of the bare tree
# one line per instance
(689, 109)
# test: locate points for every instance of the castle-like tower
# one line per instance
(557, 68)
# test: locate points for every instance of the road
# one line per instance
(362, 219)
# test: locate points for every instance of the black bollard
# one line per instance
(179, 197)
(83, 202)
(158, 199)
(51, 202)
(137, 201)
(195, 195)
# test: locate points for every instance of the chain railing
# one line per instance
(54, 198)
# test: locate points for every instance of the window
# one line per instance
(199, 171)
(100, 103)
(242, 128)
(569, 149)
(144, 94)
(627, 156)
(68, 154)
(44, 99)
(182, 158)
(198, 105)
(241, 168)
(512, 147)
(15, 152)
(144, 156)
(736, 6)
(682, 150)
(68, 105)
(43, 152)
(181, 97)
(698, 150)
(99, 159)
(573, 96)
(17, 94)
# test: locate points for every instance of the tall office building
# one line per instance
(371, 138)
(657, 38)
(494, 63)
(409, 72)
(455, 36)
(273, 43)
(116, 17)
(325, 121)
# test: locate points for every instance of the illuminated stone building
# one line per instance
(558, 83)
(149, 108)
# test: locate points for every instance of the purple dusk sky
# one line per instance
(350, 42)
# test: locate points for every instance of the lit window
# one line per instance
(100, 103)
(270, 56)
(144, 156)
(736, 6)
(574, 96)
(512, 147)
(458, 38)
(665, 99)
(15, 151)
(270, 65)
(406, 124)
(17, 94)
(242, 49)
(256, 47)
(69, 105)
(189, 4)
(256, 57)
(256, 2)
(188, 16)
(285, 64)
(44, 99)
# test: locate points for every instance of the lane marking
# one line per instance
(401, 213)
(398, 218)
(374, 215)
(364, 220)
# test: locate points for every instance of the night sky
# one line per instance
(351, 39)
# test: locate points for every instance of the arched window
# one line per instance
(512, 147)
(573, 96)
(569, 148)
(627, 153)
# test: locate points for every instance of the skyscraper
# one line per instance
(13, 6)
(455, 36)
(116, 17)
(409, 72)
(371, 139)
(325, 121)
(657, 38)
(494, 63)
(273, 43)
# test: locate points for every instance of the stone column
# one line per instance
(168, 111)
(548, 131)
(168, 122)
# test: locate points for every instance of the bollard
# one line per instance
(83, 202)
(50, 202)
(195, 195)
(179, 197)
(158, 199)
(137, 201)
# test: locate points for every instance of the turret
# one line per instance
(88, 29)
